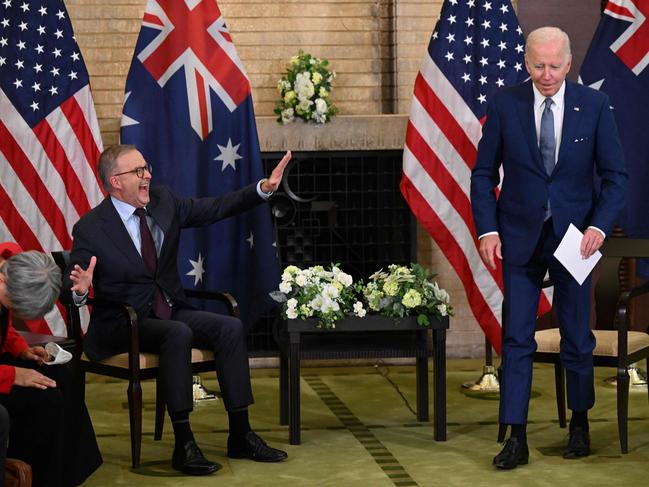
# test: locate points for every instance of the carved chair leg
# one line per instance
(283, 388)
(134, 394)
(502, 432)
(160, 410)
(560, 385)
(623, 407)
(647, 370)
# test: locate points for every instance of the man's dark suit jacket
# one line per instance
(589, 144)
(120, 273)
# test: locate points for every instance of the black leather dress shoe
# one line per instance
(254, 448)
(190, 460)
(512, 455)
(578, 444)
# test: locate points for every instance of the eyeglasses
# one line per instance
(138, 171)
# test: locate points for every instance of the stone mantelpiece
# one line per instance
(343, 133)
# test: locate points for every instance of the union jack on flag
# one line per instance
(617, 64)
(49, 135)
(189, 110)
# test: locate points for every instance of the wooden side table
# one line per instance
(377, 337)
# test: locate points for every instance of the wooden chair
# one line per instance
(135, 366)
(617, 346)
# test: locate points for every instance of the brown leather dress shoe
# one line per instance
(254, 448)
(578, 444)
(512, 455)
(190, 460)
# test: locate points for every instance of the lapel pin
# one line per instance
(576, 109)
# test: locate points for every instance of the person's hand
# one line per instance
(32, 378)
(38, 354)
(591, 242)
(82, 279)
(271, 184)
(490, 248)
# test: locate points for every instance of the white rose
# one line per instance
(317, 303)
(345, 279)
(303, 85)
(300, 280)
(285, 287)
(359, 310)
(320, 105)
(291, 303)
(291, 313)
(330, 291)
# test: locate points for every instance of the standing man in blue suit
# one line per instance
(551, 137)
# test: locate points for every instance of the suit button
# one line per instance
(549, 180)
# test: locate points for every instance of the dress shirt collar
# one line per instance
(124, 210)
(557, 98)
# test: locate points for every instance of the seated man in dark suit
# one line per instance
(127, 247)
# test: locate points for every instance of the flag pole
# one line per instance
(488, 382)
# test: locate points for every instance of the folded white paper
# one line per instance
(569, 255)
(59, 356)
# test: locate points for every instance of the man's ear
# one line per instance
(115, 182)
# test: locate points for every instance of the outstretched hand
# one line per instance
(82, 279)
(271, 184)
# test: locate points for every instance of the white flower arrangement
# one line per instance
(328, 295)
(305, 90)
(406, 291)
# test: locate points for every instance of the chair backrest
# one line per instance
(616, 273)
(72, 317)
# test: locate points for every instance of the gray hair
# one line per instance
(33, 283)
(107, 161)
(545, 34)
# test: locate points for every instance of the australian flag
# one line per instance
(617, 63)
(188, 109)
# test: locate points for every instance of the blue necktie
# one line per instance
(547, 144)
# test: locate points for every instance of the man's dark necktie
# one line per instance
(160, 307)
(547, 142)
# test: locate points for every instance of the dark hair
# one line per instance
(107, 160)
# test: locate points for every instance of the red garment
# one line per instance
(14, 343)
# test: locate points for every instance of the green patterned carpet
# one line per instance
(359, 429)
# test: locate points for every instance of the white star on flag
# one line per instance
(197, 269)
(596, 85)
(228, 155)
(251, 240)
(126, 120)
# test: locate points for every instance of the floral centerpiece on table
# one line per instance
(304, 90)
(328, 295)
(406, 291)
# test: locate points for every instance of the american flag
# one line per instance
(189, 110)
(617, 63)
(49, 135)
(476, 47)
